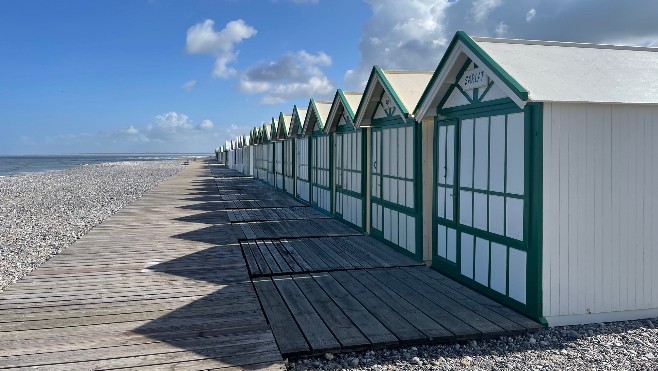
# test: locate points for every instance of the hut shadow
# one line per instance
(224, 325)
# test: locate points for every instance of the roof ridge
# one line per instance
(564, 44)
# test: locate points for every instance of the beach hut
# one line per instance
(544, 175)
(260, 155)
(246, 154)
(302, 156)
(217, 152)
(287, 153)
(348, 159)
(239, 160)
(394, 140)
(279, 137)
(269, 152)
(321, 150)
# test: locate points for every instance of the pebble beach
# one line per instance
(43, 213)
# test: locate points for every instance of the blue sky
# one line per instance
(184, 76)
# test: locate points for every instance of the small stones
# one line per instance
(532, 341)
(328, 356)
(354, 362)
(573, 334)
(416, 361)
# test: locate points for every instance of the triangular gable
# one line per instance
(297, 121)
(284, 126)
(342, 110)
(466, 75)
(316, 116)
(390, 94)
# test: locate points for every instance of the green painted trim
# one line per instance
(476, 108)
(377, 71)
(514, 85)
(532, 209)
(507, 79)
(346, 104)
(360, 196)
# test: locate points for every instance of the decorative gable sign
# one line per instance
(475, 78)
(386, 108)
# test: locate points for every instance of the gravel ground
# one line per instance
(631, 345)
(43, 213)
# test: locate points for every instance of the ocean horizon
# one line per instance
(25, 164)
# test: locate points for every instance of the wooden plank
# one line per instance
(478, 298)
(340, 262)
(320, 339)
(288, 336)
(254, 269)
(347, 334)
(401, 300)
(309, 255)
(293, 253)
(267, 255)
(290, 260)
(365, 321)
(262, 264)
(326, 256)
(280, 260)
(437, 293)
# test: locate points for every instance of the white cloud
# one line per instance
(206, 125)
(203, 39)
(400, 35)
(189, 85)
(530, 15)
(414, 34)
(293, 75)
(501, 29)
(481, 8)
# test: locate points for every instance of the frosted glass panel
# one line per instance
(450, 202)
(481, 171)
(480, 211)
(410, 194)
(498, 267)
(515, 153)
(467, 255)
(441, 240)
(466, 154)
(497, 215)
(440, 201)
(517, 275)
(497, 152)
(466, 208)
(450, 154)
(482, 261)
(387, 224)
(411, 234)
(452, 245)
(402, 230)
(402, 159)
(394, 227)
(394, 151)
(514, 218)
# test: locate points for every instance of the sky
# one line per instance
(139, 76)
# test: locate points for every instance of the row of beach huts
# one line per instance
(526, 170)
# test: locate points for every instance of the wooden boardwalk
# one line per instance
(151, 287)
(216, 270)
(325, 287)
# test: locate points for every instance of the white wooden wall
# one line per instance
(269, 155)
(600, 212)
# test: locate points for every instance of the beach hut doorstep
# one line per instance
(348, 187)
(394, 176)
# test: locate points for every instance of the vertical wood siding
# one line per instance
(600, 250)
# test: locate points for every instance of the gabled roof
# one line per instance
(344, 103)
(284, 126)
(275, 129)
(297, 121)
(548, 71)
(404, 87)
(316, 115)
(266, 133)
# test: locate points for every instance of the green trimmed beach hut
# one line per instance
(321, 150)
(283, 125)
(302, 156)
(394, 141)
(544, 175)
(260, 153)
(268, 152)
(348, 160)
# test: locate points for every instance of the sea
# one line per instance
(14, 165)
